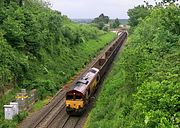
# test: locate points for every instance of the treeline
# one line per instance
(105, 23)
(142, 91)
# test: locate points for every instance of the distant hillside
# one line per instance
(85, 21)
(82, 21)
(124, 21)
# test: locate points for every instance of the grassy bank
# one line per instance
(74, 59)
(83, 54)
(41, 49)
(114, 101)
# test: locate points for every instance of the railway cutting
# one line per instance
(55, 114)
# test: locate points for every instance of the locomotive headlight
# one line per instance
(67, 105)
(79, 106)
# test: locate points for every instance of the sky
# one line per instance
(93, 8)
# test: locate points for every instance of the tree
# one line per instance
(20, 2)
(115, 24)
(101, 21)
(101, 18)
(165, 2)
(137, 13)
(100, 25)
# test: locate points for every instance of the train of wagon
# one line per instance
(78, 96)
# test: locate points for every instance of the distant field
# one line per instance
(124, 21)
(85, 21)
(82, 20)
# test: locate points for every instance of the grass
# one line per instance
(39, 104)
(114, 101)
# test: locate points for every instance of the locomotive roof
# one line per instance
(82, 84)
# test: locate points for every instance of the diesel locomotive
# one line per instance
(78, 96)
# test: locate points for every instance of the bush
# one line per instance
(46, 88)
(22, 115)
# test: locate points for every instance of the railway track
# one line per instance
(54, 114)
(51, 112)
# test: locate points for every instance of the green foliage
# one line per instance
(114, 102)
(100, 21)
(37, 47)
(12, 124)
(101, 18)
(100, 25)
(18, 118)
(143, 89)
(105, 28)
(115, 24)
(12, 63)
(46, 88)
(5, 99)
(7, 124)
(32, 35)
(137, 14)
(165, 2)
(39, 104)
(159, 103)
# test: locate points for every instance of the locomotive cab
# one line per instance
(74, 102)
(78, 96)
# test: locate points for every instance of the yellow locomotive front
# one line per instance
(75, 103)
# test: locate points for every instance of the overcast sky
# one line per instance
(93, 8)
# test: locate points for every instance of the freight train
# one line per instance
(78, 96)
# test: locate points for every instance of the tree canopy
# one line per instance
(101, 21)
(115, 23)
(137, 14)
(102, 18)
